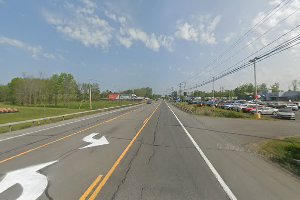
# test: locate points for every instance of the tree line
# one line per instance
(58, 89)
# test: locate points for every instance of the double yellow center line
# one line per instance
(62, 138)
(96, 192)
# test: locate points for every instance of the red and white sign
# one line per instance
(113, 96)
(257, 96)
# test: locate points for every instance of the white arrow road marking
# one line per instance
(32, 182)
(94, 142)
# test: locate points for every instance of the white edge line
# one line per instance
(72, 122)
(211, 167)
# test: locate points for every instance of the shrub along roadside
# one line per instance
(212, 112)
(285, 152)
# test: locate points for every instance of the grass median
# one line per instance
(285, 152)
(35, 112)
(212, 112)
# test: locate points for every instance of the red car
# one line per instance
(249, 108)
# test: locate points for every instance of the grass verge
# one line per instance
(285, 152)
(212, 112)
(29, 112)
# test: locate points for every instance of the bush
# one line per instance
(285, 152)
(212, 112)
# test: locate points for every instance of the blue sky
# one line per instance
(135, 43)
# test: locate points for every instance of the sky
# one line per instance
(137, 43)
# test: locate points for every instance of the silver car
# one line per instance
(294, 107)
(266, 111)
(286, 113)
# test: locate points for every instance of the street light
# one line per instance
(255, 84)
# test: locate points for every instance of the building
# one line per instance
(121, 96)
(283, 96)
(113, 96)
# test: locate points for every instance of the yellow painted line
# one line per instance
(116, 164)
(90, 189)
(63, 138)
(146, 120)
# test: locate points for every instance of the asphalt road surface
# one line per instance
(145, 152)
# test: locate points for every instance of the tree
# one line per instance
(174, 94)
(295, 85)
(16, 91)
(4, 93)
(275, 87)
(262, 88)
(244, 91)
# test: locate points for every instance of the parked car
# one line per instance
(199, 103)
(294, 107)
(240, 107)
(266, 111)
(149, 101)
(286, 113)
(248, 108)
(298, 104)
(280, 105)
(228, 106)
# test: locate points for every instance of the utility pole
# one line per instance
(90, 96)
(255, 85)
(213, 88)
(213, 92)
(180, 85)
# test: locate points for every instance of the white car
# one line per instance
(294, 107)
(266, 111)
(286, 113)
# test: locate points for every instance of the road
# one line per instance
(144, 152)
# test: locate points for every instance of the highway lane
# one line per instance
(230, 146)
(75, 168)
(17, 141)
(149, 156)
(163, 164)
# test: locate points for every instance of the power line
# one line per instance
(270, 43)
(279, 48)
(262, 21)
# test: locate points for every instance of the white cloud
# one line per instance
(81, 23)
(110, 15)
(277, 24)
(200, 29)
(35, 51)
(229, 37)
(127, 36)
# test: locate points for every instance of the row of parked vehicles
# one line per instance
(279, 110)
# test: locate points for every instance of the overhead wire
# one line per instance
(262, 21)
(279, 48)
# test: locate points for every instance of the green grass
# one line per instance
(212, 112)
(84, 105)
(284, 152)
(30, 112)
(27, 113)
